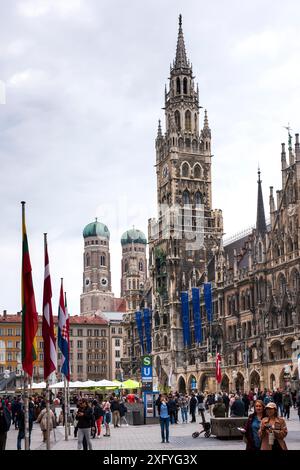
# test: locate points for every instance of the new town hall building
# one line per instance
(255, 277)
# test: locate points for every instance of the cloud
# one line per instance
(38, 8)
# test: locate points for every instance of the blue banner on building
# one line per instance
(147, 323)
(185, 315)
(208, 301)
(197, 314)
(138, 319)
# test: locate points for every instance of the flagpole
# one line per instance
(67, 397)
(47, 382)
(66, 406)
(26, 411)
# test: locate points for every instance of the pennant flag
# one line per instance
(197, 315)
(208, 301)
(48, 324)
(185, 315)
(218, 368)
(63, 334)
(138, 319)
(29, 313)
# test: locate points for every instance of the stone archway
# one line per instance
(181, 385)
(239, 383)
(225, 383)
(254, 380)
(272, 382)
(192, 383)
(203, 383)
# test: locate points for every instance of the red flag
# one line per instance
(218, 368)
(29, 313)
(48, 325)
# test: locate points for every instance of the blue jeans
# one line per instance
(21, 435)
(184, 414)
(164, 425)
(280, 407)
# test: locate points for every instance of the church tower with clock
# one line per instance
(96, 294)
(183, 237)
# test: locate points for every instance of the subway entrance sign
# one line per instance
(147, 373)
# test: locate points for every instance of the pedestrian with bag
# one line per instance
(273, 430)
(43, 420)
(164, 419)
(84, 416)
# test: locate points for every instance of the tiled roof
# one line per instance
(74, 319)
(237, 245)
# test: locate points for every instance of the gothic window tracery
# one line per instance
(185, 170)
(185, 86)
(197, 171)
(188, 122)
(178, 86)
(177, 120)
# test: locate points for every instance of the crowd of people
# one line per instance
(264, 428)
(90, 415)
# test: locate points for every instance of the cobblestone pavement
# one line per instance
(148, 438)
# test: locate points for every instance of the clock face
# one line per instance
(165, 171)
(104, 281)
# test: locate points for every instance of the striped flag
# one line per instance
(29, 313)
(48, 325)
(218, 368)
(63, 334)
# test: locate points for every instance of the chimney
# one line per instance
(4, 313)
(19, 313)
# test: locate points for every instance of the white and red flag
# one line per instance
(50, 356)
(218, 368)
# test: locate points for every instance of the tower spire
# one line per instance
(261, 227)
(181, 59)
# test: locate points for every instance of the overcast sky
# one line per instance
(84, 84)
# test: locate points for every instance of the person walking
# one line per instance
(115, 409)
(211, 401)
(5, 421)
(226, 400)
(246, 402)
(164, 419)
(253, 440)
(273, 430)
(193, 405)
(219, 409)
(98, 415)
(172, 409)
(84, 417)
(286, 403)
(123, 411)
(238, 407)
(183, 404)
(277, 397)
(21, 424)
(201, 406)
(298, 405)
(107, 418)
(42, 419)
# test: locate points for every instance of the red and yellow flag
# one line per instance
(29, 313)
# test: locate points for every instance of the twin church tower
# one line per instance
(97, 293)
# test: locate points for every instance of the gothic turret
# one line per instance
(261, 227)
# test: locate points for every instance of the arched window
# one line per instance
(133, 284)
(282, 284)
(289, 245)
(186, 197)
(185, 86)
(195, 122)
(188, 143)
(87, 260)
(126, 267)
(198, 198)
(194, 144)
(295, 281)
(178, 87)
(177, 120)
(259, 253)
(102, 260)
(188, 122)
(129, 284)
(180, 142)
(141, 266)
(185, 170)
(197, 171)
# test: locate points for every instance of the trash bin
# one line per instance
(136, 418)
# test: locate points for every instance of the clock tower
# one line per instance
(96, 294)
(183, 237)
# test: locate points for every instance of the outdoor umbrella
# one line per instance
(130, 384)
